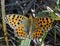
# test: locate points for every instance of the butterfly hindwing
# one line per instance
(21, 32)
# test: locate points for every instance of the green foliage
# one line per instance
(25, 42)
(43, 38)
(54, 36)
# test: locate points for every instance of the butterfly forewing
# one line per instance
(45, 23)
(15, 20)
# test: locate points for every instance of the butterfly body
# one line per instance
(25, 27)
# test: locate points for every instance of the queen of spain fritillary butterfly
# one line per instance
(25, 27)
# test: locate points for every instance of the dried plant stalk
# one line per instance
(4, 25)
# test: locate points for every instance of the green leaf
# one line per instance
(54, 36)
(25, 42)
(57, 18)
(52, 14)
(43, 38)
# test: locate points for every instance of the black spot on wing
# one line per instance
(42, 19)
(13, 15)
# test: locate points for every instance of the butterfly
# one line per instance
(28, 27)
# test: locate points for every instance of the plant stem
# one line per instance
(4, 25)
(54, 36)
(43, 38)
